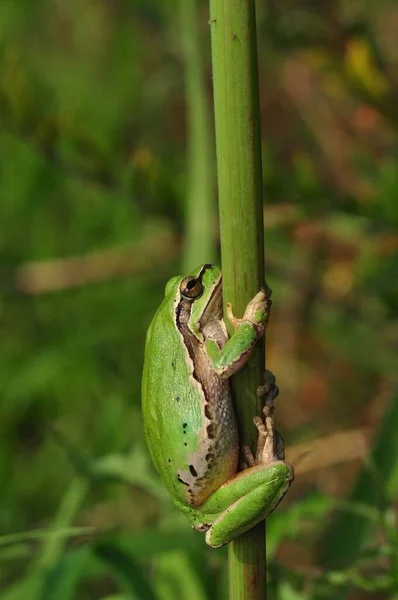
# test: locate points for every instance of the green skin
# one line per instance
(188, 414)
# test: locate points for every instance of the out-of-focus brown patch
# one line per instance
(338, 279)
(313, 393)
(365, 118)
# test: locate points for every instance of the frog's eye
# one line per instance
(191, 288)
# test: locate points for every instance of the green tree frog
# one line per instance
(189, 419)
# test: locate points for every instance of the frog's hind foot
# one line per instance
(270, 446)
(265, 440)
(269, 391)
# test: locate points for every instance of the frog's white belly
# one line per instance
(216, 459)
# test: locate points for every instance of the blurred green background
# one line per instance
(96, 165)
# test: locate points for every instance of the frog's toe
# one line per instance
(248, 455)
(268, 412)
(259, 304)
(202, 527)
(269, 391)
(235, 321)
(260, 425)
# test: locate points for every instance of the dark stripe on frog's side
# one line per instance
(203, 474)
(188, 335)
(181, 481)
(190, 342)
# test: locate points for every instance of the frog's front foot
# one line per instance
(257, 311)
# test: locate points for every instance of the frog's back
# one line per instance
(193, 453)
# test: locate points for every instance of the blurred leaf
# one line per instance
(151, 542)
(348, 532)
(287, 592)
(288, 524)
(41, 535)
(175, 578)
(70, 504)
(82, 465)
(24, 588)
(60, 582)
(134, 468)
(37, 373)
(125, 569)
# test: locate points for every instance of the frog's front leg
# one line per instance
(252, 494)
(229, 357)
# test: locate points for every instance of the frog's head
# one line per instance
(202, 291)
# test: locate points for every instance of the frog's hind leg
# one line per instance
(255, 492)
(262, 488)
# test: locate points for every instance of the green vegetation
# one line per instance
(94, 178)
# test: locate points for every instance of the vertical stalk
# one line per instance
(238, 145)
(200, 205)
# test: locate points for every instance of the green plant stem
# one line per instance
(234, 56)
(200, 205)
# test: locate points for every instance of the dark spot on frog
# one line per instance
(185, 444)
(211, 431)
(185, 425)
(209, 456)
(177, 398)
(207, 412)
(193, 470)
(181, 481)
(173, 364)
